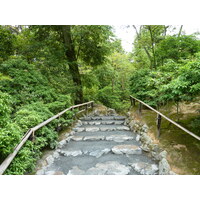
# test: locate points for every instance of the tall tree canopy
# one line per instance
(87, 44)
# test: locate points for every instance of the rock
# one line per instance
(163, 154)
(99, 153)
(72, 153)
(137, 138)
(132, 123)
(94, 137)
(107, 128)
(69, 138)
(146, 139)
(96, 112)
(144, 147)
(111, 112)
(159, 156)
(91, 123)
(109, 122)
(109, 168)
(72, 133)
(156, 148)
(145, 168)
(77, 138)
(145, 128)
(123, 128)
(40, 172)
(119, 118)
(118, 122)
(126, 149)
(50, 160)
(97, 123)
(172, 173)
(61, 143)
(119, 138)
(126, 122)
(76, 171)
(164, 168)
(56, 154)
(54, 173)
(92, 129)
(79, 123)
(79, 129)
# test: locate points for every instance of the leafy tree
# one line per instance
(147, 40)
(87, 43)
(7, 40)
(176, 48)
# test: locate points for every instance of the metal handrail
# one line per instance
(4, 165)
(159, 115)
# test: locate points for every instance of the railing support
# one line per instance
(133, 102)
(158, 122)
(86, 109)
(140, 108)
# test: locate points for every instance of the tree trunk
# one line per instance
(180, 30)
(145, 49)
(72, 62)
(152, 46)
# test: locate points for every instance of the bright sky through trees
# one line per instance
(127, 34)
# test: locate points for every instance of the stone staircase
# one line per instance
(100, 145)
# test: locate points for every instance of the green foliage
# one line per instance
(7, 40)
(5, 108)
(24, 162)
(196, 125)
(33, 101)
(10, 136)
(171, 82)
(178, 47)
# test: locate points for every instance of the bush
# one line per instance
(10, 136)
(5, 108)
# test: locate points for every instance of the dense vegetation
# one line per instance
(44, 69)
(167, 67)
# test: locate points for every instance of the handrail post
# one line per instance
(86, 108)
(140, 108)
(92, 104)
(159, 118)
(131, 101)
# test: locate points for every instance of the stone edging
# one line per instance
(155, 151)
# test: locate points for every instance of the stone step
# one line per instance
(95, 153)
(104, 133)
(94, 128)
(103, 118)
(127, 149)
(145, 168)
(94, 137)
(101, 122)
(94, 145)
(105, 168)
